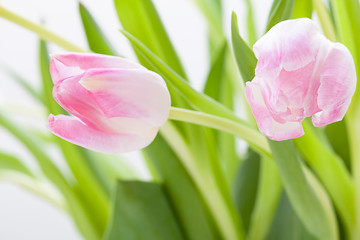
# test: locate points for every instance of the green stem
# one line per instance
(252, 136)
(206, 184)
(39, 30)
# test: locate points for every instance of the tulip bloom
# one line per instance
(117, 105)
(299, 74)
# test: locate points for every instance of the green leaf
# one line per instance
(245, 187)
(286, 224)
(142, 211)
(332, 172)
(141, 19)
(198, 100)
(47, 84)
(268, 196)
(280, 10)
(12, 163)
(305, 202)
(96, 39)
(185, 198)
(302, 8)
(325, 19)
(244, 56)
(216, 74)
(251, 28)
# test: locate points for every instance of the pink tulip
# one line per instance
(299, 74)
(118, 105)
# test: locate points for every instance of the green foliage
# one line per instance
(184, 195)
(280, 10)
(142, 211)
(141, 19)
(246, 185)
(305, 202)
(244, 56)
(286, 224)
(9, 162)
(302, 8)
(96, 39)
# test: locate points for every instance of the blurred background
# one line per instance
(22, 214)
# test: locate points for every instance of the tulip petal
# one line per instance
(75, 131)
(266, 123)
(289, 45)
(66, 65)
(129, 93)
(76, 100)
(337, 86)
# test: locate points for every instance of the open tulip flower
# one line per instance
(117, 105)
(299, 74)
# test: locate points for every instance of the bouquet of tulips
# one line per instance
(292, 177)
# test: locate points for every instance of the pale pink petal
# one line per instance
(337, 86)
(289, 44)
(75, 131)
(129, 93)
(266, 123)
(76, 100)
(66, 65)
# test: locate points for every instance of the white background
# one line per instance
(23, 215)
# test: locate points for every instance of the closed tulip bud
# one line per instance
(117, 105)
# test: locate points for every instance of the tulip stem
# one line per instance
(252, 136)
(229, 226)
(42, 32)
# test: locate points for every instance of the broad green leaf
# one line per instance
(245, 57)
(96, 39)
(280, 10)
(286, 225)
(304, 200)
(246, 186)
(89, 188)
(302, 8)
(142, 211)
(185, 198)
(141, 19)
(332, 172)
(12, 163)
(267, 199)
